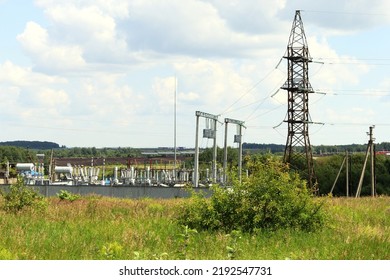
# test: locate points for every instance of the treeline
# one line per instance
(14, 154)
(269, 148)
(97, 152)
(327, 168)
(317, 150)
(36, 145)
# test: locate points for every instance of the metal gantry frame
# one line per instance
(207, 133)
(237, 139)
(298, 148)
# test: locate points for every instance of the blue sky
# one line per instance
(102, 72)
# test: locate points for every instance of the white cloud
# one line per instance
(251, 16)
(164, 90)
(188, 97)
(92, 28)
(30, 97)
(340, 17)
(24, 76)
(48, 55)
(51, 98)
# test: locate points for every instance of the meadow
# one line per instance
(95, 227)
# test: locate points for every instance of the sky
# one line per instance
(108, 73)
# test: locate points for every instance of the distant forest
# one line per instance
(35, 145)
(27, 150)
(317, 150)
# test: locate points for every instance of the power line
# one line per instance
(354, 61)
(345, 13)
(341, 58)
(358, 124)
(253, 87)
(355, 92)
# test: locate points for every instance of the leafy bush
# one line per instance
(270, 198)
(21, 196)
(65, 195)
(6, 255)
(184, 240)
(111, 251)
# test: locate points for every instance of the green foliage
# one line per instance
(232, 248)
(206, 156)
(328, 167)
(111, 251)
(15, 154)
(141, 256)
(184, 240)
(6, 255)
(21, 196)
(271, 198)
(65, 195)
(97, 152)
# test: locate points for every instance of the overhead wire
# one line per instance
(365, 92)
(354, 61)
(345, 13)
(253, 87)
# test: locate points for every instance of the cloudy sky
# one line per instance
(101, 73)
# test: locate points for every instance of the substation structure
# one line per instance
(210, 132)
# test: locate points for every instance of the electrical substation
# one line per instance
(297, 152)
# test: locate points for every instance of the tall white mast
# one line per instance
(174, 131)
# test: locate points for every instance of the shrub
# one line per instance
(270, 198)
(111, 251)
(21, 196)
(65, 195)
(6, 255)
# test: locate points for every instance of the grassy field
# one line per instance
(107, 228)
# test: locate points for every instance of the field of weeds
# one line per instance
(107, 228)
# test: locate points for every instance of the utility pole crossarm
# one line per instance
(206, 115)
(241, 123)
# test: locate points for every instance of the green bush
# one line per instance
(270, 198)
(65, 195)
(6, 255)
(21, 196)
(111, 251)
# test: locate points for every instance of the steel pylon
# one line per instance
(298, 153)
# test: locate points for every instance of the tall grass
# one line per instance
(107, 228)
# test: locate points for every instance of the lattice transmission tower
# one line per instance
(298, 152)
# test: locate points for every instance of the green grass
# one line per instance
(107, 228)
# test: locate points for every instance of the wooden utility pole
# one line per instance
(371, 143)
(347, 173)
(346, 162)
(338, 174)
(370, 150)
